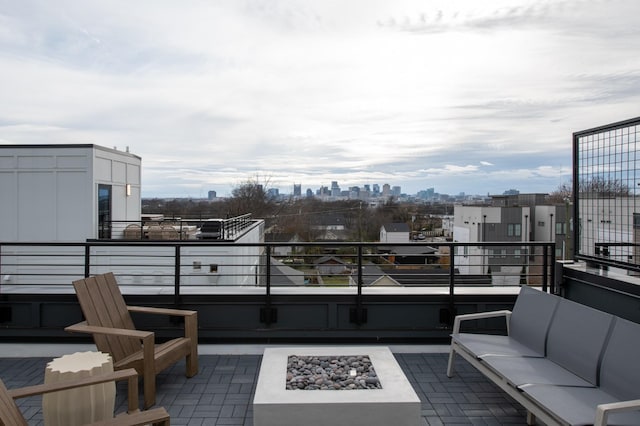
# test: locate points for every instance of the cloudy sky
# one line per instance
(462, 96)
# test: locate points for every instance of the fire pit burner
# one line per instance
(333, 372)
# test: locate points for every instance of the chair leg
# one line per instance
(149, 387)
(450, 364)
(191, 331)
(531, 419)
(192, 364)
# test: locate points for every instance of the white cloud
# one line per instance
(405, 92)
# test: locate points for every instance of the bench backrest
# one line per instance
(531, 317)
(577, 337)
(620, 369)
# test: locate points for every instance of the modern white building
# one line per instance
(86, 195)
(477, 224)
(66, 192)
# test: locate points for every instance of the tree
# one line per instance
(563, 193)
(598, 186)
(250, 197)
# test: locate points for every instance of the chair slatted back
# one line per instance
(10, 414)
(103, 305)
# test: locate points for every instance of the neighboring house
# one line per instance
(372, 276)
(418, 254)
(282, 237)
(331, 265)
(395, 233)
(285, 276)
(330, 227)
(509, 218)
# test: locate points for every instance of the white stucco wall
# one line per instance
(49, 192)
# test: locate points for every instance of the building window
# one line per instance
(541, 223)
(104, 211)
(561, 228)
(514, 230)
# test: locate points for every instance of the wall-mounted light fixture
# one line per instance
(128, 189)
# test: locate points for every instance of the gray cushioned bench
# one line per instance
(566, 363)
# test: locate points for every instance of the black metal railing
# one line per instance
(172, 229)
(205, 267)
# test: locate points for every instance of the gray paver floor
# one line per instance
(222, 392)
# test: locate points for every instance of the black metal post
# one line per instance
(268, 314)
(87, 256)
(545, 266)
(176, 276)
(452, 304)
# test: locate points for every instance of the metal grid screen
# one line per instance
(607, 172)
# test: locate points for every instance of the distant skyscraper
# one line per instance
(273, 192)
(212, 195)
(386, 190)
(297, 190)
(335, 189)
(376, 189)
(396, 191)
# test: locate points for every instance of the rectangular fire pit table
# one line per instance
(395, 404)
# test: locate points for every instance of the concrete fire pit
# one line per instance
(396, 403)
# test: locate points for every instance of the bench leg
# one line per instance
(531, 418)
(450, 364)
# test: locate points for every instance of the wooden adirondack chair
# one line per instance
(10, 414)
(108, 320)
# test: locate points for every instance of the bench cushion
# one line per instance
(577, 405)
(528, 327)
(575, 344)
(620, 370)
(521, 371)
(482, 345)
(577, 337)
(531, 317)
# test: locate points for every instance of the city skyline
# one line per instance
(462, 96)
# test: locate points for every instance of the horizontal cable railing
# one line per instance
(210, 267)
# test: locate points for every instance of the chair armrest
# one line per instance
(129, 374)
(82, 327)
(603, 410)
(480, 315)
(161, 311)
(190, 318)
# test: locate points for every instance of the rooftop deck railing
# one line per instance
(205, 267)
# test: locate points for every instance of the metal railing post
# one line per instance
(552, 285)
(545, 267)
(268, 314)
(452, 304)
(176, 275)
(87, 256)
(360, 313)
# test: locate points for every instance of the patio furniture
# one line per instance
(108, 319)
(10, 414)
(133, 232)
(81, 405)
(573, 383)
(527, 327)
